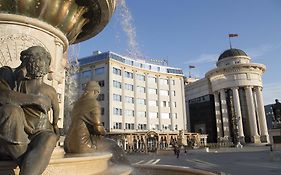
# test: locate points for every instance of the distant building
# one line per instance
(137, 96)
(228, 104)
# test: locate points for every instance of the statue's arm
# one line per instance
(55, 108)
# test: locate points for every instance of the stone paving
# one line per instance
(256, 160)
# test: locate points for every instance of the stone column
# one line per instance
(261, 115)
(255, 138)
(224, 115)
(238, 115)
(218, 116)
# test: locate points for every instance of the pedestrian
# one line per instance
(178, 151)
(185, 150)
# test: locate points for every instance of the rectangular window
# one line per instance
(117, 111)
(153, 115)
(129, 99)
(165, 115)
(174, 93)
(141, 114)
(142, 126)
(129, 87)
(99, 71)
(164, 92)
(101, 83)
(117, 97)
(152, 91)
(129, 113)
(102, 111)
(141, 89)
(117, 71)
(129, 74)
(152, 103)
(173, 82)
(87, 74)
(117, 84)
(117, 125)
(100, 97)
(175, 104)
(175, 115)
(130, 126)
(163, 81)
(165, 104)
(152, 79)
(140, 77)
(141, 101)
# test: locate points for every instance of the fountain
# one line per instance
(53, 25)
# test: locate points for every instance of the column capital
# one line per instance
(258, 88)
(234, 88)
(248, 87)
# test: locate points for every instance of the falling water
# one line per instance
(71, 83)
(126, 21)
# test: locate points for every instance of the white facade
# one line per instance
(236, 84)
(137, 95)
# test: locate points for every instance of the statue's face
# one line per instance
(37, 66)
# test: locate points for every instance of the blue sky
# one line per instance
(194, 32)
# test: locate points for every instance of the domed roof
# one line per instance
(231, 53)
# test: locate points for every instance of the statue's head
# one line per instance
(37, 61)
(92, 86)
(276, 101)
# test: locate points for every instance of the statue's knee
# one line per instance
(11, 110)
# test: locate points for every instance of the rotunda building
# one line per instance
(236, 84)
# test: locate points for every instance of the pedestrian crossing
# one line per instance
(148, 162)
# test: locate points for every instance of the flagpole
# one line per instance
(229, 42)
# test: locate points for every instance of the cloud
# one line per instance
(271, 91)
(203, 58)
(262, 50)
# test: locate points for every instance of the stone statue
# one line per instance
(26, 135)
(85, 134)
(277, 112)
(85, 122)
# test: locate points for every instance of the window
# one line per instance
(164, 92)
(141, 101)
(163, 81)
(129, 99)
(173, 82)
(141, 89)
(175, 104)
(176, 127)
(101, 83)
(154, 126)
(142, 126)
(99, 71)
(117, 84)
(117, 71)
(175, 115)
(130, 126)
(141, 77)
(174, 93)
(129, 74)
(129, 113)
(153, 115)
(117, 111)
(129, 87)
(87, 74)
(141, 114)
(117, 125)
(152, 79)
(100, 97)
(152, 103)
(152, 91)
(117, 97)
(165, 104)
(165, 115)
(102, 111)
(166, 127)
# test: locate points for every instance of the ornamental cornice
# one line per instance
(250, 67)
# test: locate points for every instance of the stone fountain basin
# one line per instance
(167, 170)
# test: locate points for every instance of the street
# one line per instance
(234, 161)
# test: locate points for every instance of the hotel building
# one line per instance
(137, 96)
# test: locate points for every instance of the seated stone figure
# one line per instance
(21, 138)
(86, 133)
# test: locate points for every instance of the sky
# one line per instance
(195, 32)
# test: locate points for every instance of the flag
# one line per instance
(190, 67)
(232, 35)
